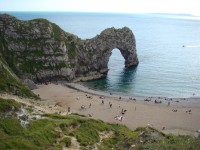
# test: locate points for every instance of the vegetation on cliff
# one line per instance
(39, 49)
(10, 83)
(34, 46)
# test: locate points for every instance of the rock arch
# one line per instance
(101, 48)
(39, 49)
(122, 39)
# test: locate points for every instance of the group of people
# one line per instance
(158, 101)
(120, 118)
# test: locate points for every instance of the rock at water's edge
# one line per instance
(40, 50)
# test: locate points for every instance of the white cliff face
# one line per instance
(39, 49)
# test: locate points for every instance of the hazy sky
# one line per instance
(119, 6)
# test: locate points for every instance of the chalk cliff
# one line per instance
(40, 50)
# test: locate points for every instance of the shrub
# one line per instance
(86, 135)
(66, 141)
(8, 105)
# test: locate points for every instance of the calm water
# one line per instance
(166, 68)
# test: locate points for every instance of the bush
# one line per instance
(86, 135)
(8, 105)
(66, 141)
(11, 126)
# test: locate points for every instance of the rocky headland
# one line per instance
(40, 50)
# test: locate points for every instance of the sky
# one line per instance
(112, 6)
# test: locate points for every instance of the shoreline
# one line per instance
(190, 101)
(85, 89)
(70, 98)
(138, 95)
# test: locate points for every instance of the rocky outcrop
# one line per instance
(38, 49)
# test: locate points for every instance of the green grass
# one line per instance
(11, 126)
(86, 134)
(66, 141)
(9, 83)
(175, 143)
(8, 105)
(71, 47)
(41, 134)
(8, 55)
(57, 32)
(72, 50)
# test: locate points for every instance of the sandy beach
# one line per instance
(170, 116)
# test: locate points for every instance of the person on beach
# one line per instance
(123, 111)
(90, 105)
(189, 111)
(102, 102)
(157, 102)
(168, 103)
(68, 109)
(110, 105)
(83, 107)
(121, 118)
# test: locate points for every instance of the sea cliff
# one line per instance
(40, 50)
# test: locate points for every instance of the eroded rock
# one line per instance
(40, 50)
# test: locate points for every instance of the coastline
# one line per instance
(85, 89)
(63, 96)
(188, 102)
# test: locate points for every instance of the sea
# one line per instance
(168, 48)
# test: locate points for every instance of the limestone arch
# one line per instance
(121, 39)
(100, 49)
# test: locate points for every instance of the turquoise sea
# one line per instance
(168, 48)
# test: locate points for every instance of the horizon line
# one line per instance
(57, 11)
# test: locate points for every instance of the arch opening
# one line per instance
(118, 74)
(116, 61)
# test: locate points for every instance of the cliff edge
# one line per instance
(40, 50)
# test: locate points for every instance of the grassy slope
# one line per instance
(44, 134)
(10, 83)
